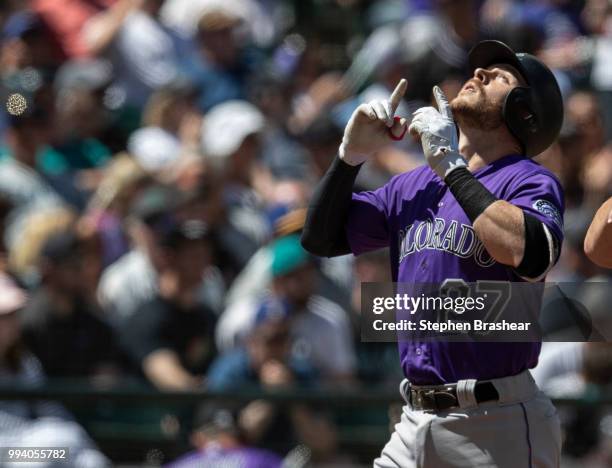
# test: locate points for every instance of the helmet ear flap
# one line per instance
(520, 115)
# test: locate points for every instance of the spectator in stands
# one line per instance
(266, 362)
(586, 160)
(60, 324)
(259, 18)
(72, 162)
(230, 142)
(218, 442)
(265, 359)
(170, 132)
(34, 423)
(134, 279)
(334, 276)
(256, 276)
(144, 53)
(171, 337)
(121, 183)
(320, 328)
(38, 226)
(226, 58)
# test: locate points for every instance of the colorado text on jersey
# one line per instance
(457, 239)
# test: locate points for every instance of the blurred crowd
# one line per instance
(156, 159)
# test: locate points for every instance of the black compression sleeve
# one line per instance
(324, 231)
(472, 196)
(541, 249)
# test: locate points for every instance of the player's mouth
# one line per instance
(470, 87)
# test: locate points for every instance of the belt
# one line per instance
(443, 397)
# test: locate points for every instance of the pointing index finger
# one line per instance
(442, 102)
(398, 94)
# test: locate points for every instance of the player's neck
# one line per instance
(480, 147)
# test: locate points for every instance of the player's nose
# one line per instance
(482, 74)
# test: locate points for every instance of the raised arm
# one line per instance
(101, 29)
(598, 240)
(371, 127)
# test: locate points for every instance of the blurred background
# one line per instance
(156, 159)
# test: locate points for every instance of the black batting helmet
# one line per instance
(533, 113)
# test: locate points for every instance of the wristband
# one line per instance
(472, 196)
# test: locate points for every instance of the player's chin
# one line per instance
(465, 101)
(460, 103)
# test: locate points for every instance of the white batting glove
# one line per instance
(438, 136)
(372, 126)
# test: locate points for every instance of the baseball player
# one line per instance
(598, 240)
(468, 403)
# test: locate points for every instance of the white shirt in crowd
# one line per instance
(322, 333)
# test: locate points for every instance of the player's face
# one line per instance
(480, 101)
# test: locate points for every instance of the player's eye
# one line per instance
(505, 79)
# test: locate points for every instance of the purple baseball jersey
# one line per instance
(431, 239)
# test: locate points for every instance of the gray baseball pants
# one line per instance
(521, 430)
